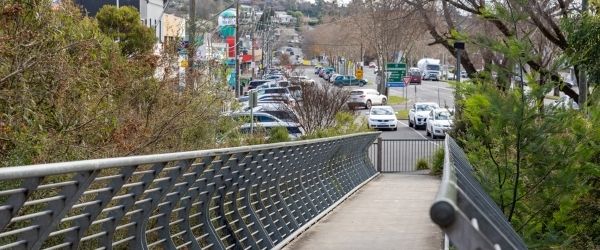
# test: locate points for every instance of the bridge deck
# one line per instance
(389, 212)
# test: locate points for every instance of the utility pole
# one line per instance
(191, 43)
(253, 64)
(237, 48)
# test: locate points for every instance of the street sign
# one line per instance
(395, 73)
(184, 63)
(359, 73)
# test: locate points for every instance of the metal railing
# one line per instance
(402, 155)
(253, 197)
(465, 212)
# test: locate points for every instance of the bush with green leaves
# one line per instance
(422, 164)
(540, 164)
(437, 166)
(278, 134)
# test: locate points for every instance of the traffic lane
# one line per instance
(403, 132)
(425, 92)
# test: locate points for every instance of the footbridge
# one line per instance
(346, 192)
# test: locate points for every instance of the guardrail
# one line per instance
(465, 212)
(253, 197)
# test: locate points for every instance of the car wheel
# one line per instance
(427, 132)
(384, 101)
(369, 104)
(410, 123)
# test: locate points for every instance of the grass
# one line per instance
(402, 114)
(395, 100)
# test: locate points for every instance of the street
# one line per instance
(428, 91)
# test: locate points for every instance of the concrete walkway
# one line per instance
(389, 212)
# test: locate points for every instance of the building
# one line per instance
(151, 11)
(282, 17)
(173, 28)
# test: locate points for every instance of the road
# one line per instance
(426, 92)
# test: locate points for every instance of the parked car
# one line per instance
(328, 75)
(269, 84)
(417, 115)
(299, 80)
(438, 123)
(326, 71)
(349, 81)
(296, 92)
(317, 69)
(366, 98)
(276, 90)
(279, 110)
(382, 117)
(295, 131)
(255, 83)
(287, 99)
(333, 77)
(274, 77)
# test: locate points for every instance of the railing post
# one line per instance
(379, 153)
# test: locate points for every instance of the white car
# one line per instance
(366, 98)
(382, 117)
(417, 115)
(439, 122)
(333, 76)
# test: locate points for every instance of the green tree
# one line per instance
(123, 25)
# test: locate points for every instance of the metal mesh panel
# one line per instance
(402, 155)
(237, 198)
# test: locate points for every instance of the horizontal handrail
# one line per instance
(37, 170)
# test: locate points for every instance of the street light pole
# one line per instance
(237, 48)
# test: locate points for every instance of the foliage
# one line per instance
(437, 166)
(582, 35)
(67, 92)
(540, 164)
(345, 123)
(278, 134)
(422, 164)
(123, 25)
(321, 106)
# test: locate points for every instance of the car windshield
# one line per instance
(357, 93)
(381, 112)
(443, 116)
(294, 130)
(276, 91)
(424, 107)
(433, 67)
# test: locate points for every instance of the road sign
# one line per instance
(396, 71)
(359, 73)
(184, 63)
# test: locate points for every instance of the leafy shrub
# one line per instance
(438, 162)
(278, 134)
(422, 164)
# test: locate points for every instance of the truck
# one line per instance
(430, 69)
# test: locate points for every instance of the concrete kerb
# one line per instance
(320, 216)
